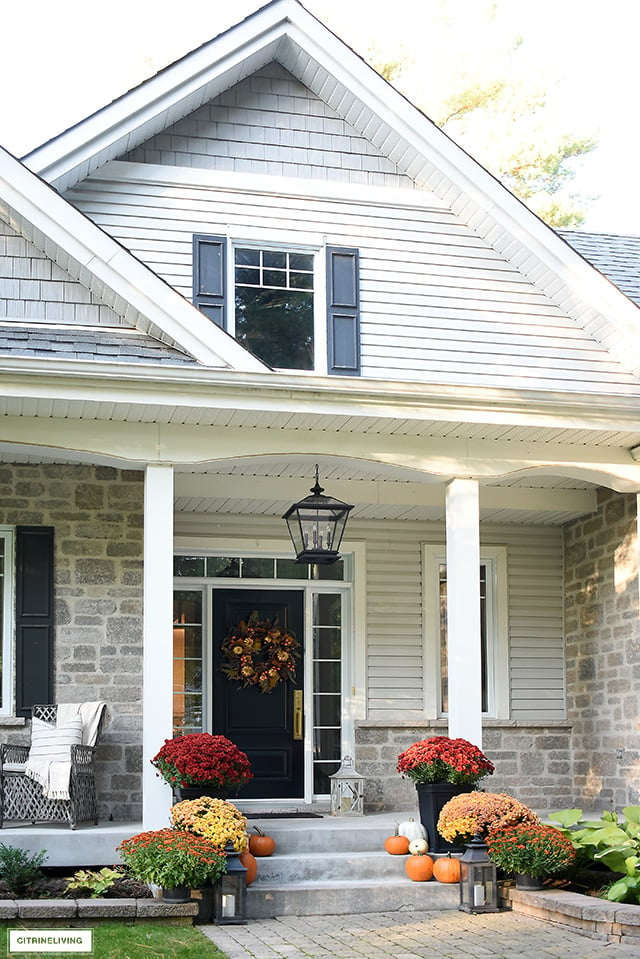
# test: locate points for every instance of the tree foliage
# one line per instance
(484, 97)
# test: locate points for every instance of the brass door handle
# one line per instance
(297, 714)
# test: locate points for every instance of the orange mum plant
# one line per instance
(477, 814)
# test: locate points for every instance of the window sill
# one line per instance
(13, 721)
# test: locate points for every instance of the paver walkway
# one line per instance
(414, 935)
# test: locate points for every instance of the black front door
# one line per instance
(261, 724)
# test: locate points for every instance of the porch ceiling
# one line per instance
(267, 486)
(250, 448)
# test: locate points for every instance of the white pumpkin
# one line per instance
(412, 830)
(418, 847)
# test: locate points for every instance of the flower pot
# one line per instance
(431, 798)
(177, 894)
(524, 881)
(182, 793)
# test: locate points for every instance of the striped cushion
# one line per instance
(53, 743)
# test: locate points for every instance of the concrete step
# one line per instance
(315, 866)
(300, 836)
(338, 866)
(348, 898)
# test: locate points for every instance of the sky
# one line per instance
(61, 61)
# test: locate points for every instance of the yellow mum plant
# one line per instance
(217, 820)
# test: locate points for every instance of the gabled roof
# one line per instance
(87, 253)
(615, 255)
(287, 33)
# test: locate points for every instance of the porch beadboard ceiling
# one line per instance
(284, 31)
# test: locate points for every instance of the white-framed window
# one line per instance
(7, 563)
(295, 306)
(494, 637)
(275, 314)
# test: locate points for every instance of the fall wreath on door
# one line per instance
(259, 652)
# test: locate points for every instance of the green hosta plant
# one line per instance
(611, 841)
(96, 883)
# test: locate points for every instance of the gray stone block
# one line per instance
(106, 908)
(46, 908)
(158, 909)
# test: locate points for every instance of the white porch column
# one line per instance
(157, 670)
(463, 610)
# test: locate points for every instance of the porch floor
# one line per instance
(86, 845)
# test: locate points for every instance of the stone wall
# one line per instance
(97, 514)
(603, 653)
(533, 762)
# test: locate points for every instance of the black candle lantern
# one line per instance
(478, 886)
(316, 525)
(230, 892)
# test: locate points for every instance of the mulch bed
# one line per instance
(54, 884)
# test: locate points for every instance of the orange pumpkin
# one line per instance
(419, 868)
(261, 844)
(397, 845)
(249, 862)
(447, 869)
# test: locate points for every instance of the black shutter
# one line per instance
(343, 311)
(34, 617)
(209, 276)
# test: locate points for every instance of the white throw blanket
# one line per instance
(49, 762)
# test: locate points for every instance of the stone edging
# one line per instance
(598, 918)
(73, 909)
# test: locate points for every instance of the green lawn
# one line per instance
(141, 940)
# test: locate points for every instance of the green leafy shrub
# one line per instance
(19, 870)
(613, 842)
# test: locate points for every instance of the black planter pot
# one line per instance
(431, 798)
(177, 894)
(525, 881)
(182, 793)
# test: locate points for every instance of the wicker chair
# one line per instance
(23, 800)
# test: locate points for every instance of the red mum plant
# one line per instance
(443, 760)
(200, 759)
(531, 848)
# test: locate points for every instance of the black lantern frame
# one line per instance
(316, 526)
(230, 892)
(478, 883)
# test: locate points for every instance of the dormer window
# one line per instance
(276, 310)
(274, 306)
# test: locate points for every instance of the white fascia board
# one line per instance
(176, 82)
(29, 199)
(199, 388)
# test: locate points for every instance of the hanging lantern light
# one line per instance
(316, 525)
